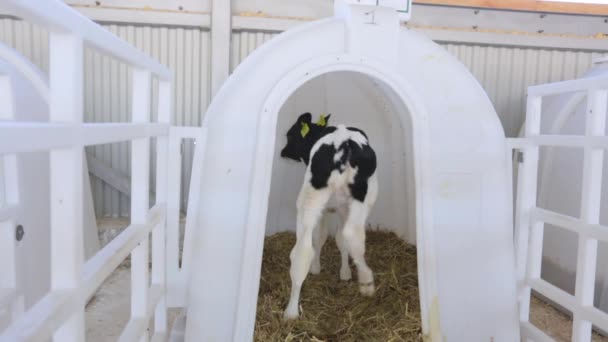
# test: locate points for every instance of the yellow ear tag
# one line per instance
(322, 122)
(305, 129)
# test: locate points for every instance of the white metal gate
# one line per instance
(60, 313)
(530, 219)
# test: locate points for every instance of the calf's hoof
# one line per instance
(290, 314)
(345, 274)
(367, 289)
(315, 268)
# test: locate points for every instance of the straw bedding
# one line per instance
(334, 310)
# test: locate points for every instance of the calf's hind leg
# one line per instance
(319, 237)
(345, 273)
(310, 205)
(354, 233)
(354, 236)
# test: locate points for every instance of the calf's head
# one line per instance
(302, 136)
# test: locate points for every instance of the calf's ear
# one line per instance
(305, 118)
(305, 129)
(323, 120)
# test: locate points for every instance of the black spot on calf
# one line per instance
(304, 135)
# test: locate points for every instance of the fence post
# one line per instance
(590, 212)
(66, 183)
(526, 201)
(140, 196)
(174, 296)
(159, 267)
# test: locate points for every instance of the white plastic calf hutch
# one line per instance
(461, 178)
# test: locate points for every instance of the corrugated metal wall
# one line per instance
(28, 39)
(243, 43)
(504, 72)
(107, 90)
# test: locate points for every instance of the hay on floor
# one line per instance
(334, 310)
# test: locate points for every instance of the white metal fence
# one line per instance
(530, 219)
(60, 314)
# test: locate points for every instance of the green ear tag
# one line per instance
(305, 129)
(322, 122)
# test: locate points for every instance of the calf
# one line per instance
(339, 163)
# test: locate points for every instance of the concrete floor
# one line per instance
(108, 311)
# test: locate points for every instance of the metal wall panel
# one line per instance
(506, 72)
(29, 40)
(108, 87)
(244, 42)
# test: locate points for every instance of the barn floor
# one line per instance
(333, 310)
(555, 323)
(108, 311)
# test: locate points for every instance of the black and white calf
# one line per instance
(339, 163)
